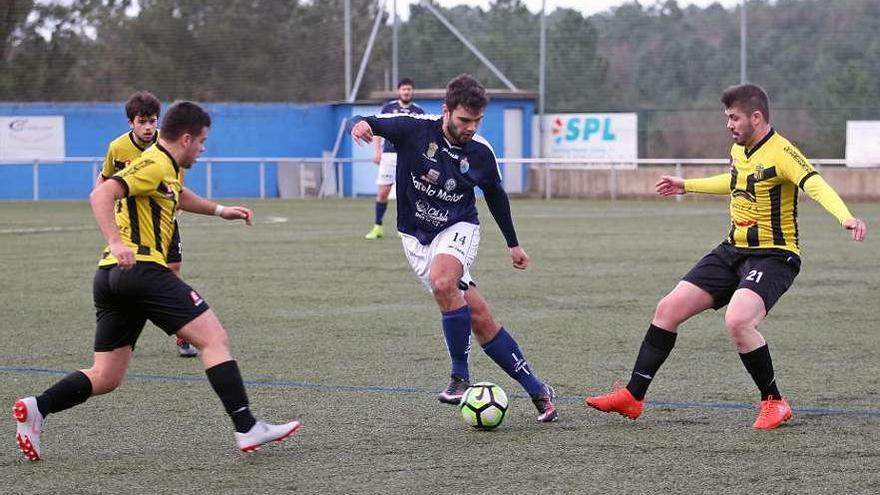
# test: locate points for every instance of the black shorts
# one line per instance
(175, 249)
(768, 272)
(125, 300)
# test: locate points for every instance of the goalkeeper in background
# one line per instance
(751, 269)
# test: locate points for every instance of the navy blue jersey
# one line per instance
(435, 180)
(394, 107)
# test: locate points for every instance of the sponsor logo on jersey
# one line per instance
(798, 158)
(450, 184)
(432, 176)
(196, 298)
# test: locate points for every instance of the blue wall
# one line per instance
(238, 130)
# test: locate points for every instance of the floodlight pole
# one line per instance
(742, 43)
(426, 4)
(380, 9)
(347, 16)
(542, 65)
(394, 27)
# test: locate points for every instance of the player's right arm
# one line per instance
(670, 186)
(391, 127)
(102, 200)
(377, 155)
(107, 168)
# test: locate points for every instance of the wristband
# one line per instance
(218, 210)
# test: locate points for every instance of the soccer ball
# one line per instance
(483, 405)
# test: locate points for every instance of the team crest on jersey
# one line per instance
(759, 172)
(450, 185)
(196, 298)
(432, 176)
(464, 166)
(431, 151)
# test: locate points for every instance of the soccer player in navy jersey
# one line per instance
(386, 156)
(441, 159)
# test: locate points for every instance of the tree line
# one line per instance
(818, 59)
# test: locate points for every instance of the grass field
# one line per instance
(336, 330)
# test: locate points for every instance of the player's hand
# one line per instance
(670, 186)
(238, 213)
(858, 227)
(362, 132)
(519, 257)
(123, 254)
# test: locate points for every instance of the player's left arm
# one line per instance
(797, 169)
(499, 206)
(193, 203)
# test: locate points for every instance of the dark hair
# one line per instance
(406, 82)
(184, 117)
(142, 103)
(748, 97)
(466, 91)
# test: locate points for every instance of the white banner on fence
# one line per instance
(594, 136)
(863, 143)
(31, 138)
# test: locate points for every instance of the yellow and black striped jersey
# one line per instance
(145, 215)
(764, 183)
(122, 151)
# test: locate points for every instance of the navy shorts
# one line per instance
(125, 300)
(175, 250)
(767, 272)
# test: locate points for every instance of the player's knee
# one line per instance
(668, 312)
(104, 381)
(738, 325)
(444, 287)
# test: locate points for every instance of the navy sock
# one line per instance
(380, 212)
(504, 351)
(225, 379)
(457, 331)
(72, 390)
(760, 366)
(656, 346)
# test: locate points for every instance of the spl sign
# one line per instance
(594, 136)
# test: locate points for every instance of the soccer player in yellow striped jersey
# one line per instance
(142, 109)
(134, 211)
(751, 269)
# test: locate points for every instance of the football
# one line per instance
(483, 405)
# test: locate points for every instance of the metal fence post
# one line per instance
(262, 179)
(36, 178)
(613, 182)
(209, 181)
(678, 197)
(546, 180)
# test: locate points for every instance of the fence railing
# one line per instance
(330, 180)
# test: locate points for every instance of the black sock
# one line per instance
(760, 366)
(72, 390)
(226, 381)
(655, 349)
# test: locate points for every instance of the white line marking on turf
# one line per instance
(269, 220)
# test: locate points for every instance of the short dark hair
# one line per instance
(184, 117)
(466, 91)
(748, 97)
(406, 82)
(142, 103)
